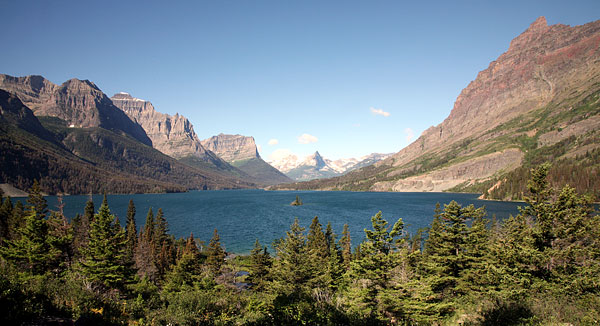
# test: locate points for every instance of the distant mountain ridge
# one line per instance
(316, 167)
(538, 101)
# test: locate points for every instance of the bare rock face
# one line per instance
(79, 102)
(172, 135)
(232, 148)
(540, 63)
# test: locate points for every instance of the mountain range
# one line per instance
(539, 101)
(316, 167)
(75, 140)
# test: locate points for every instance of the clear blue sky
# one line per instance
(279, 69)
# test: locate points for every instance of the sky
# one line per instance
(346, 78)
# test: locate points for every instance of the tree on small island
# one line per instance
(296, 202)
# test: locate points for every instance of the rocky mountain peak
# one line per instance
(316, 160)
(530, 35)
(232, 147)
(172, 135)
(78, 102)
(122, 96)
(81, 85)
(539, 25)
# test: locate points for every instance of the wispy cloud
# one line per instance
(282, 153)
(273, 142)
(307, 139)
(379, 112)
(410, 134)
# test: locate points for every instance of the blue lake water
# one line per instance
(242, 216)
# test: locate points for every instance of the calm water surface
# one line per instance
(242, 216)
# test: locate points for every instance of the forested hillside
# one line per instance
(540, 267)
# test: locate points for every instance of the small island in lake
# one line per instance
(296, 202)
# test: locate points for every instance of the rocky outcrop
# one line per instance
(78, 102)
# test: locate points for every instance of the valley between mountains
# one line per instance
(539, 101)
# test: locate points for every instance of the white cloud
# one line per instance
(307, 139)
(379, 112)
(259, 148)
(410, 134)
(281, 153)
(273, 141)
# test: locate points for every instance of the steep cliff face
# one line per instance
(79, 102)
(241, 152)
(172, 135)
(542, 91)
(232, 147)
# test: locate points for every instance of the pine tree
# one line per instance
(36, 203)
(215, 255)
(260, 263)
(6, 212)
(539, 207)
(371, 274)
(81, 228)
(335, 262)
(185, 273)
(61, 238)
(449, 251)
(16, 221)
(346, 245)
(291, 269)
(161, 243)
(103, 257)
(191, 247)
(149, 226)
(131, 231)
(32, 249)
(318, 250)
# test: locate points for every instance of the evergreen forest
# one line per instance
(541, 267)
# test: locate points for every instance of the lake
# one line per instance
(242, 216)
